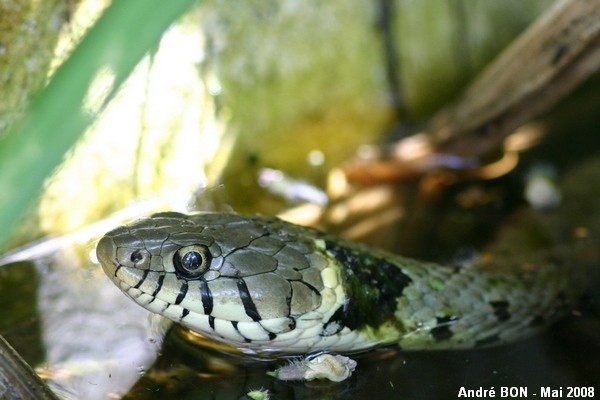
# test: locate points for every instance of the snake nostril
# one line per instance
(136, 256)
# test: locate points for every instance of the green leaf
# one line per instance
(126, 31)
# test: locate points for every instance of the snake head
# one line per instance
(236, 279)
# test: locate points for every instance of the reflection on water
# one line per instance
(92, 343)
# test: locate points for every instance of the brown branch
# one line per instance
(544, 64)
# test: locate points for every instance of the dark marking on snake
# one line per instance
(146, 272)
(292, 324)
(501, 309)
(182, 292)
(372, 285)
(246, 298)
(335, 323)
(159, 284)
(235, 326)
(207, 300)
(442, 331)
(184, 313)
(272, 335)
(211, 322)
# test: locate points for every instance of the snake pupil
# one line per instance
(191, 261)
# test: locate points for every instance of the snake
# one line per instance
(273, 288)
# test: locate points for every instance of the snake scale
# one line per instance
(273, 288)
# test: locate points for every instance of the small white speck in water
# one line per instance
(316, 158)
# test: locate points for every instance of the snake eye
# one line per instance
(192, 261)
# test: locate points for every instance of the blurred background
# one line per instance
(113, 110)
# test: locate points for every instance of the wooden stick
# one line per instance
(545, 63)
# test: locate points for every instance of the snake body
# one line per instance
(270, 287)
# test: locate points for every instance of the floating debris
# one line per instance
(259, 394)
(336, 368)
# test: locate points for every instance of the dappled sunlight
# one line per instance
(153, 141)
